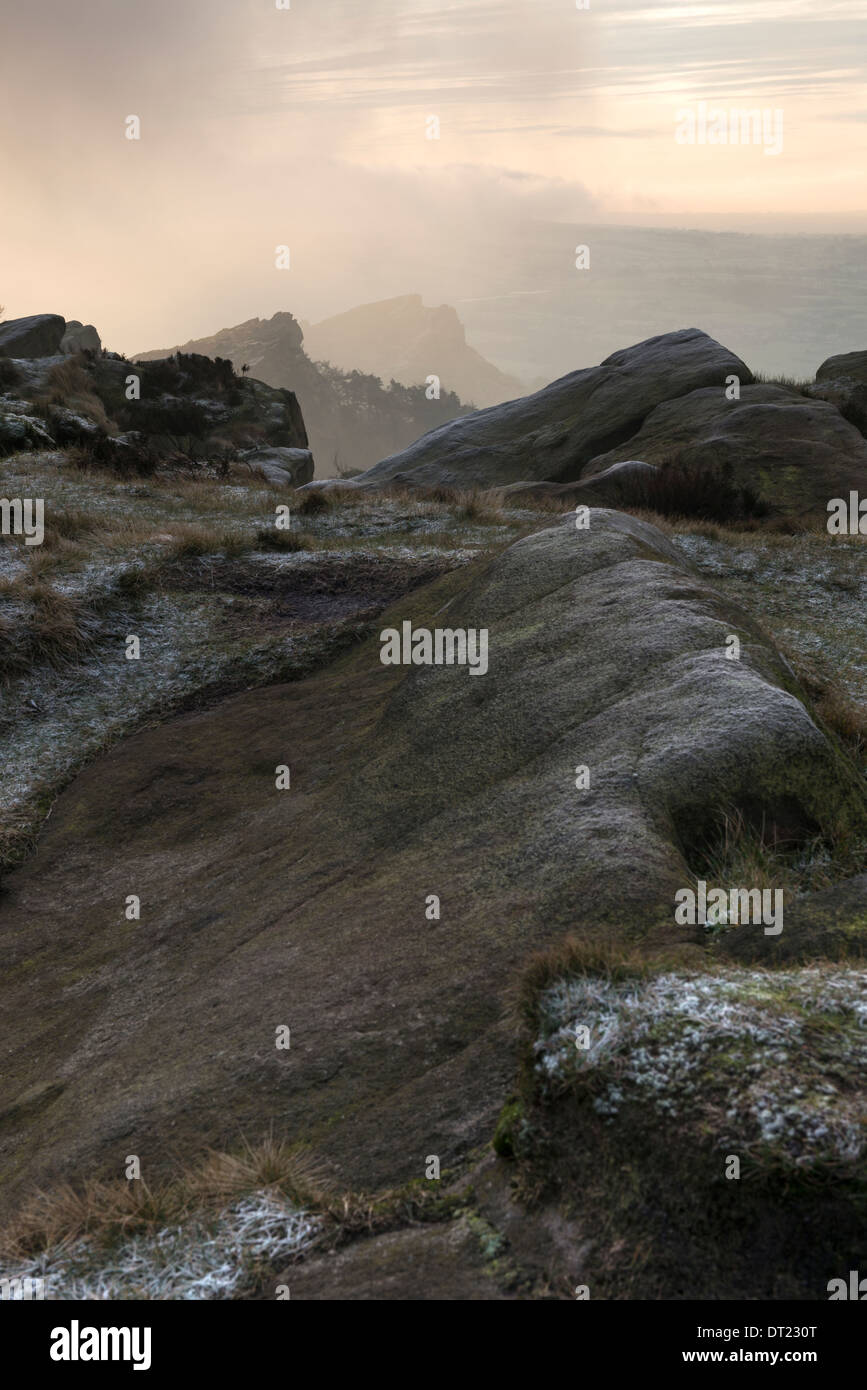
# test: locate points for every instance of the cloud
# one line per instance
(307, 127)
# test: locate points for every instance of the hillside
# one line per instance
(352, 418)
(401, 339)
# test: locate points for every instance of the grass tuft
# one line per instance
(269, 538)
(106, 1212)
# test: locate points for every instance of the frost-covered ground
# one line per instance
(199, 629)
(53, 719)
(201, 1259)
(809, 591)
(772, 1060)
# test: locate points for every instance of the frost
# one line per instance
(759, 1054)
(811, 593)
(195, 1261)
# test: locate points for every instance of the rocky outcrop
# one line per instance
(794, 452)
(845, 364)
(270, 348)
(192, 396)
(20, 428)
(80, 337)
(622, 483)
(827, 925)
(311, 908)
(403, 340)
(38, 335)
(283, 467)
(188, 406)
(842, 381)
(553, 434)
(352, 418)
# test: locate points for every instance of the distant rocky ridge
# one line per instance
(404, 340)
(351, 417)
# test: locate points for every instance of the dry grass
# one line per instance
(60, 626)
(738, 851)
(273, 1164)
(195, 539)
(482, 510)
(831, 702)
(108, 1211)
(673, 526)
(56, 554)
(741, 853)
(314, 503)
(572, 956)
(787, 383)
(774, 530)
(70, 535)
(71, 523)
(69, 385)
(210, 495)
(474, 503)
(269, 538)
(55, 629)
(848, 720)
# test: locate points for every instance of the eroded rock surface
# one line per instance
(306, 908)
(795, 452)
(553, 434)
(37, 335)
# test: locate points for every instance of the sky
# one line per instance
(309, 127)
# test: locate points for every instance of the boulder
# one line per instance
(72, 427)
(308, 909)
(328, 485)
(429, 1262)
(842, 381)
(847, 395)
(79, 337)
(38, 335)
(795, 453)
(553, 434)
(19, 429)
(828, 925)
(621, 483)
(283, 467)
(845, 364)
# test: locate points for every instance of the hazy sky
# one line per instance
(307, 127)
